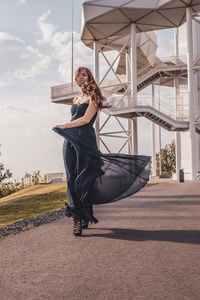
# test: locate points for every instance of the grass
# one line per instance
(32, 201)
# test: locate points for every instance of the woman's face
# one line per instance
(83, 76)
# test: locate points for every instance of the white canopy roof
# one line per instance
(107, 18)
(146, 45)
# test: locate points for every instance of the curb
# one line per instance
(29, 223)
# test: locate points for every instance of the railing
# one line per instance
(179, 59)
(181, 107)
(179, 113)
(176, 60)
(143, 69)
(166, 62)
(72, 88)
(64, 90)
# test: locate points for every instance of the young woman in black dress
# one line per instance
(92, 176)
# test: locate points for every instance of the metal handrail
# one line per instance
(176, 60)
(144, 68)
(159, 105)
(183, 58)
(130, 101)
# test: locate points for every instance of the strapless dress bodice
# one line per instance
(78, 111)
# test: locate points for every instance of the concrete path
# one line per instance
(144, 247)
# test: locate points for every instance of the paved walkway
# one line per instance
(144, 247)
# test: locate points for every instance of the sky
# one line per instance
(35, 54)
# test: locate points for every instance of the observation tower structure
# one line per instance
(127, 28)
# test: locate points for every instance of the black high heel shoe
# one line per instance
(77, 229)
(85, 224)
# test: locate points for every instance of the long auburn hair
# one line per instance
(90, 88)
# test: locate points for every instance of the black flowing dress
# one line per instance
(94, 177)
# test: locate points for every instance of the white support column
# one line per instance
(176, 40)
(196, 91)
(128, 78)
(177, 134)
(176, 93)
(96, 61)
(191, 92)
(196, 50)
(134, 84)
(153, 135)
(178, 152)
(135, 137)
(160, 148)
(128, 69)
(159, 140)
(96, 77)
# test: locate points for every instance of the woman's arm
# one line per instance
(89, 113)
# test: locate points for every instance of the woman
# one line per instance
(94, 177)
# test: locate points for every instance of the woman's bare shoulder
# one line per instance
(93, 102)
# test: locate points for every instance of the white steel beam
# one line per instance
(191, 92)
(128, 78)
(111, 65)
(134, 84)
(153, 135)
(176, 94)
(196, 120)
(96, 77)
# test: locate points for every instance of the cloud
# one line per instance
(164, 38)
(7, 36)
(183, 39)
(19, 60)
(12, 108)
(60, 45)
(46, 29)
(25, 120)
(34, 63)
(4, 83)
(22, 1)
(11, 114)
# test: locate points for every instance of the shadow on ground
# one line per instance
(175, 236)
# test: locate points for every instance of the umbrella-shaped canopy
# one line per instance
(102, 19)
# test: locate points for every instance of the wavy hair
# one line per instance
(90, 88)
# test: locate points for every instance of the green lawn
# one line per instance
(32, 201)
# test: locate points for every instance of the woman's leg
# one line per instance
(76, 187)
(70, 162)
(69, 157)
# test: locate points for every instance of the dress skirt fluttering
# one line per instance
(94, 177)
